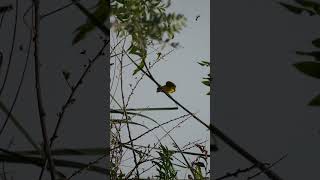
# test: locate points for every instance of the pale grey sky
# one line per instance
(180, 67)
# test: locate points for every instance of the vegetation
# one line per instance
(143, 35)
(310, 68)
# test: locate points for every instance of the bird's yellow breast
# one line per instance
(168, 89)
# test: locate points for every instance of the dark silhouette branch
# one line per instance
(74, 89)
(56, 10)
(19, 87)
(237, 172)
(41, 112)
(12, 157)
(92, 18)
(11, 51)
(270, 166)
(69, 100)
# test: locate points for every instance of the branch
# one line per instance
(214, 130)
(56, 10)
(92, 18)
(237, 172)
(12, 48)
(12, 157)
(20, 127)
(74, 89)
(273, 164)
(8, 114)
(125, 113)
(39, 97)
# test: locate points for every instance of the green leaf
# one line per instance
(315, 101)
(204, 63)
(291, 8)
(96, 19)
(309, 4)
(4, 9)
(141, 65)
(314, 54)
(207, 83)
(316, 43)
(83, 30)
(296, 9)
(141, 52)
(200, 164)
(309, 68)
(198, 173)
(146, 20)
(66, 74)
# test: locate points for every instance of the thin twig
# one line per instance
(273, 164)
(3, 163)
(125, 111)
(20, 127)
(12, 49)
(237, 172)
(67, 103)
(19, 87)
(86, 167)
(12, 157)
(41, 111)
(56, 10)
(74, 89)
(148, 109)
(214, 130)
(156, 127)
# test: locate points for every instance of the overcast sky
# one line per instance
(180, 67)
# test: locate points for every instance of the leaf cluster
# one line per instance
(309, 68)
(101, 14)
(164, 165)
(303, 7)
(206, 80)
(145, 21)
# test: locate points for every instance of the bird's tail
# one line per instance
(158, 89)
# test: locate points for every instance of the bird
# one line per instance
(170, 87)
(197, 17)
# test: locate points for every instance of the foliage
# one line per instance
(114, 175)
(101, 13)
(141, 29)
(145, 21)
(4, 9)
(198, 173)
(309, 68)
(206, 80)
(164, 165)
(302, 6)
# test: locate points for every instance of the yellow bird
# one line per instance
(170, 87)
